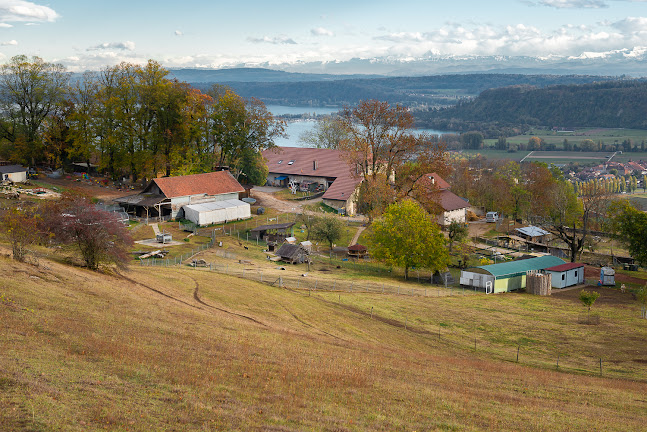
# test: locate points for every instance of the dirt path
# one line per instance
(269, 200)
(356, 236)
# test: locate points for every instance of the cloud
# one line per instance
(570, 4)
(516, 40)
(178, 33)
(20, 10)
(631, 25)
(128, 46)
(11, 42)
(276, 40)
(320, 31)
(5, 25)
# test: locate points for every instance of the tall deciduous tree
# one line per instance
(328, 132)
(240, 126)
(383, 150)
(30, 90)
(630, 226)
(405, 236)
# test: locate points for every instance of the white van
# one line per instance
(491, 216)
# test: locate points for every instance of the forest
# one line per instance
(425, 91)
(610, 104)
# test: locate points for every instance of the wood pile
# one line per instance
(538, 283)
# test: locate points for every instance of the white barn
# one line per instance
(217, 212)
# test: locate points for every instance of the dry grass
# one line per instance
(178, 349)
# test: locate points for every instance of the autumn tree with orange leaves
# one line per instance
(385, 153)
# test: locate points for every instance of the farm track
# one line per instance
(196, 296)
(133, 281)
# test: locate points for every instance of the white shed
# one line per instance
(217, 212)
(566, 275)
(14, 173)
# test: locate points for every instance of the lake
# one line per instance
(295, 129)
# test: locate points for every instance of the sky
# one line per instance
(89, 34)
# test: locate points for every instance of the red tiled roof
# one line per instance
(342, 188)
(450, 201)
(213, 183)
(564, 267)
(330, 163)
(432, 180)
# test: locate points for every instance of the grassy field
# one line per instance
(179, 349)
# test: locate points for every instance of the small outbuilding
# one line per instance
(533, 234)
(607, 276)
(216, 212)
(274, 232)
(13, 173)
(293, 253)
(507, 276)
(357, 250)
(566, 275)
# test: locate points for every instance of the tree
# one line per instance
(30, 90)
(456, 232)
(20, 226)
(472, 140)
(238, 126)
(405, 236)
(588, 298)
(328, 132)
(98, 235)
(385, 153)
(630, 226)
(328, 228)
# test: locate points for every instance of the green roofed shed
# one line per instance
(507, 276)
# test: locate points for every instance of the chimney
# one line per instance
(315, 165)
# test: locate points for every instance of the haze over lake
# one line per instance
(294, 129)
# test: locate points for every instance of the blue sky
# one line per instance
(88, 34)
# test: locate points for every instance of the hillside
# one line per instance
(181, 349)
(613, 104)
(292, 89)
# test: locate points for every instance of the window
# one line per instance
(291, 162)
(575, 273)
(563, 276)
(280, 162)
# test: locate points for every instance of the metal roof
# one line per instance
(565, 267)
(532, 231)
(512, 268)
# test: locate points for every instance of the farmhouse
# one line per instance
(315, 170)
(449, 206)
(508, 276)
(13, 173)
(166, 196)
(565, 275)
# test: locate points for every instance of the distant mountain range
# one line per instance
(632, 62)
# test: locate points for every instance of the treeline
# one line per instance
(439, 90)
(611, 104)
(132, 120)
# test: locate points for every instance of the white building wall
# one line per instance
(17, 177)
(447, 217)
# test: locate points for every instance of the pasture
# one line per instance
(187, 349)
